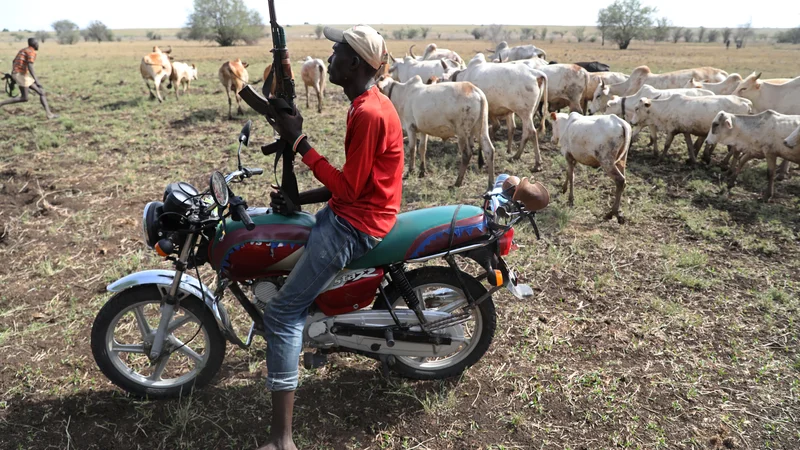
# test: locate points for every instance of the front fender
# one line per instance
(189, 286)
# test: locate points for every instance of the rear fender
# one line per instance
(189, 286)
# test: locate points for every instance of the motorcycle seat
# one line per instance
(424, 232)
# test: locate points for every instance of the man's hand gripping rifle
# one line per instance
(282, 99)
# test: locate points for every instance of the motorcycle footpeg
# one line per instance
(314, 360)
(389, 337)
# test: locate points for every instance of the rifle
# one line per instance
(283, 99)
(9, 83)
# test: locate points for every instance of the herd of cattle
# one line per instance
(438, 94)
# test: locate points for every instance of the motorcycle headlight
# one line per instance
(150, 225)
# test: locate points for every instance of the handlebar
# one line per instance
(243, 216)
(245, 172)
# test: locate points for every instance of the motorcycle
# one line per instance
(164, 332)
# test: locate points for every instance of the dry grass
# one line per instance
(677, 330)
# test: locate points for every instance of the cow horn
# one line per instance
(168, 51)
(411, 51)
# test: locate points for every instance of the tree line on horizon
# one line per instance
(229, 22)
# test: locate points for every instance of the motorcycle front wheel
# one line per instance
(437, 287)
(123, 334)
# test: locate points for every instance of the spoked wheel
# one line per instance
(123, 334)
(437, 288)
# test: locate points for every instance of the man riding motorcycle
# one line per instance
(363, 201)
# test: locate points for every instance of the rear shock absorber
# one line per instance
(398, 275)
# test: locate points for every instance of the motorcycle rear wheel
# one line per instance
(123, 332)
(484, 317)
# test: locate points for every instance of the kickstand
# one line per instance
(386, 360)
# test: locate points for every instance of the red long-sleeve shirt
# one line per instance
(368, 189)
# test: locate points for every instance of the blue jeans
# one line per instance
(332, 244)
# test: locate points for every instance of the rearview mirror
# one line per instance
(244, 136)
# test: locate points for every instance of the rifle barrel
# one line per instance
(272, 17)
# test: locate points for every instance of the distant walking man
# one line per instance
(26, 78)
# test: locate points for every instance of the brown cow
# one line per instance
(156, 66)
(267, 70)
(233, 76)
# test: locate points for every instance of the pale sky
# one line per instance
(172, 14)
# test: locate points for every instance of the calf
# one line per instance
(600, 141)
(182, 73)
(234, 77)
(567, 84)
(156, 66)
(313, 72)
(782, 98)
(405, 69)
(759, 136)
(689, 116)
(509, 89)
(444, 110)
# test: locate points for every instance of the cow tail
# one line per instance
(587, 81)
(484, 138)
(545, 104)
(626, 141)
(321, 78)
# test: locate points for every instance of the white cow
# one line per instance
(757, 136)
(313, 74)
(670, 80)
(405, 69)
(566, 86)
(725, 87)
(444, 110)
(595, 78)
(432, 52)
(783, 98)
(793, 140)
(689, 116)
(533, 63)
(599, 141)
(182, 73)
(623, 106)
(505, 53)
(509, 89)
(605, 92)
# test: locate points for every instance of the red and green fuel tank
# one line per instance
(276, 243)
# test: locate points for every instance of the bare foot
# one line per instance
(279, 444)
(52, 116)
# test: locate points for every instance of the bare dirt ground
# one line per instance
(675, 330)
